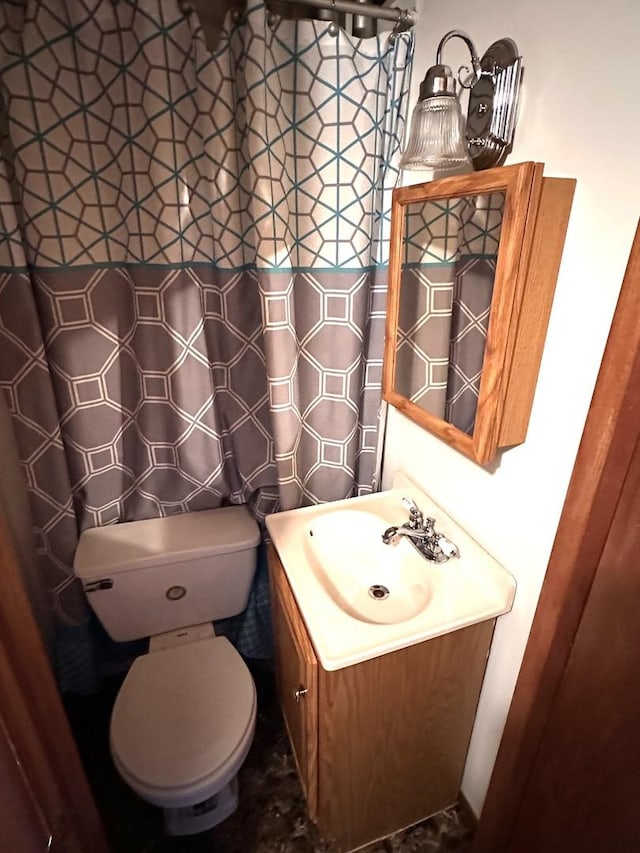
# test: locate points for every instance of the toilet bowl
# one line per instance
(183, 721)
(198, 706)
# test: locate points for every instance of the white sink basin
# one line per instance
(339, 571)
(366, 578)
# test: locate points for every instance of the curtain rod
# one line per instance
(404, 18)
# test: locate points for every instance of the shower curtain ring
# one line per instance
(333, 26)
(400, 26)
(273, 20)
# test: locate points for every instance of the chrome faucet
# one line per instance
(421, 532)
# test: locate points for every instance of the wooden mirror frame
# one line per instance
(535, 218)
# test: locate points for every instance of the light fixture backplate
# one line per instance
(493, 101)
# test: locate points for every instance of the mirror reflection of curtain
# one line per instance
(446, 285)
(192, 267)
(425, 310)
(475, 275)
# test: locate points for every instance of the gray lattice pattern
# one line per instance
(469, 326)
(424, 333)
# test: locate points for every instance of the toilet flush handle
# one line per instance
(300, 693)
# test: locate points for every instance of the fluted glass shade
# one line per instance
(436, 139)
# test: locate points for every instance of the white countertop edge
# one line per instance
(332, 664)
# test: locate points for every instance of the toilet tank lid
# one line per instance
(157, 541)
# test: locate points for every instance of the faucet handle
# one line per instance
(410, 504)
(429, 525)
(416, 518)
(448, 548)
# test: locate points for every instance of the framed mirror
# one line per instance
(473, 264)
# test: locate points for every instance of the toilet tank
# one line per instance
(147, 577)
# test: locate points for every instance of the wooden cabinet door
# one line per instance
(297, 670)
(584, 789)
(394, 732)
(24, 826)
(46, 802)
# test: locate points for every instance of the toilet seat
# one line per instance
(183, 722)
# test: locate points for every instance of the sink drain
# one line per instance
(378, 591)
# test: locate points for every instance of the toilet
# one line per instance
(184, 718)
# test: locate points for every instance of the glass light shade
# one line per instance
(436, 139)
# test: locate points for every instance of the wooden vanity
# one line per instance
(379, 745)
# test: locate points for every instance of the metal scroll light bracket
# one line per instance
(493, 105)
(494, 86)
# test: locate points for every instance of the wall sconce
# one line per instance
(437, 137)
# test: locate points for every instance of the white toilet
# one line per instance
(184, 718)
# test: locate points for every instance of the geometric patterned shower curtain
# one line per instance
(192, 263)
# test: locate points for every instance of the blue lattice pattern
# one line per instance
(442, 231)
(132, 143)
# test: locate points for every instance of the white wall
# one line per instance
(577, 116)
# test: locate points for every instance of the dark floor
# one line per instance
(271, 817)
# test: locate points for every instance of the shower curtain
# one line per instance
(192, 269)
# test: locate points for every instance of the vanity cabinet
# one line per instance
(379, 745)
(297, 675)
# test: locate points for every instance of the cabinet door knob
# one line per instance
(300, 693)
